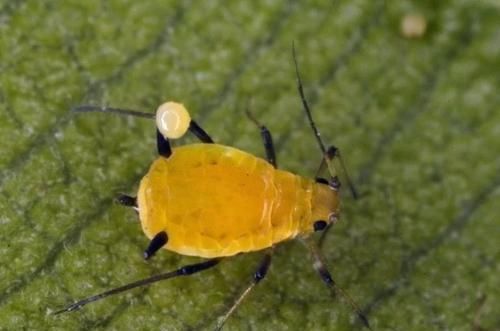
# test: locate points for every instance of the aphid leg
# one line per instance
(267, 139)
(183, 271)
(163, 145)
(126, 200)
(158, 241)
(320, 266)
(260, 273)
(321, 180)
(199, 132)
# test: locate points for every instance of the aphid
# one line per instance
(215, 201)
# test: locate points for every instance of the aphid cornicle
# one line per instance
(214, 201)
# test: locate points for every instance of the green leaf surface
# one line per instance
(417, 120)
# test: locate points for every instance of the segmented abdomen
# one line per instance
(214, 200)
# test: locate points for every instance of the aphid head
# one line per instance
(324, 207)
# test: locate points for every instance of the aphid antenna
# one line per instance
(172, 122)
(330, 153)
(104, 109)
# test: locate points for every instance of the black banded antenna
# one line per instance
(327, 157)
(104, 109)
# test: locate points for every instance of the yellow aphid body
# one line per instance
(215, 201)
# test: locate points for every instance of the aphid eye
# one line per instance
(320, 225)
(172, 120)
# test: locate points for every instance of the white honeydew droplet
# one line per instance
(172, 119)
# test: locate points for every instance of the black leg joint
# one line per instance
(263, 267)
(126, 200)
(199, 132)
(267, 139)
(332, 152)
(322, 180)
(163, 145)
(325, 275)
(194, 268)
(335, 183)
(158, 241)
(268, 145)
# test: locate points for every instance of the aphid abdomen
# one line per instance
(214, 200)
